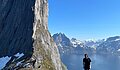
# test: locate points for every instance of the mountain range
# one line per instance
(66, 45)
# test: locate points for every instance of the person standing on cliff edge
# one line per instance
(86, 62)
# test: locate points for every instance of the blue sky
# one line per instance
(85, 19)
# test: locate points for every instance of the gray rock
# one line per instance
(24, 29)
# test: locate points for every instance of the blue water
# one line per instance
(99, 62)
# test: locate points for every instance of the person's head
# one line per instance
(86, 56)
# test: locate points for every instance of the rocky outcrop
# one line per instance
(42, 38)
(24, 30)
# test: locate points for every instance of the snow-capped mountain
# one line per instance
(76, 42)
(73, 45)
(93, 44)
(62, 40)
(111, 45)
(66, 45)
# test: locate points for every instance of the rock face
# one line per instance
(24, 30)
(16, 23)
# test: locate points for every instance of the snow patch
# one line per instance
(94, 47)
(76, 43)
(19, 63)
(19, 55)
(117, 39)
(118, 50)
(60, 45)
(3, 61)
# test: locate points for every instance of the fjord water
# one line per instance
(99, 62)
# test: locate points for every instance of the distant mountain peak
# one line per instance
(73, 39)
(61, 39)
(60, 33)
(115, 38)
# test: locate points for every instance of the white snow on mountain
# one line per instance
(60, 45)
(94, 47)
(118, 50)
(110, 44)
(76, 42)
(117, 39)
(3, 61)
(19, 55)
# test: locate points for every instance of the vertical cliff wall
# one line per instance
(45, 50)
(24, 36)
(16, 26)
